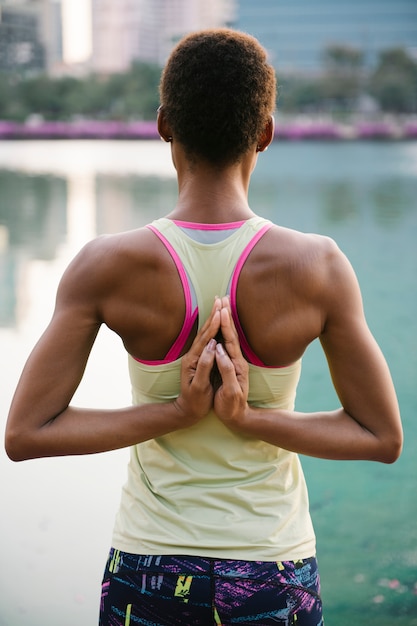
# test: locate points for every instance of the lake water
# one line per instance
(57, 514)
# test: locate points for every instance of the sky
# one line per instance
(76, 25)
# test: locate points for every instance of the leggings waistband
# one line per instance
(301, 572)
(178, 589)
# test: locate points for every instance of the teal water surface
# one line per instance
(54, 197)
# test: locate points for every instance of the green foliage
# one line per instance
(341, 82)
(119, 96)
(48, 96)
(134, 94)
(89, 98)
(339, 58)
(5, 89)
(394, 82)
(299, 94)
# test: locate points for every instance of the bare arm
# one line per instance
(41, 421)
(367, 426)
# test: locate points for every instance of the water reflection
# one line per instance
(125, 202)
(81, 209)
(340, 202)
(389, 200)
(33, 212)
(56, 196)
(392, 200)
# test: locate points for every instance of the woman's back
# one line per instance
(209, 475)
(279, 295)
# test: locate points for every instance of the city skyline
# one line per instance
(76, 30)
(106, 36)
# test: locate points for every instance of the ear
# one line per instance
(163, 127)
(267, 135)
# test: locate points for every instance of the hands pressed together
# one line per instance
(198, 394)
(214, 377)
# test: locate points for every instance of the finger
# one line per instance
(208, 330)
(225, 301)
(229, 332)
(205, 364)
(226, 367)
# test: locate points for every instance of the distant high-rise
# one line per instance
(295, 32)
(146, 30)
(115, 34)
(30, 35)
(164, 22)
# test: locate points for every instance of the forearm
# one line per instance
(87, 431)
(42, 423)
(328, 435)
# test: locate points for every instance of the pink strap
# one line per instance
(246, 349)
(198, 226)
(190, 316)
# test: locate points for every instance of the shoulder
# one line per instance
(295, 242)
(316, 269)
(304, 254)
(107, 250)
(102, 261)
(324, 274)
(110, 247)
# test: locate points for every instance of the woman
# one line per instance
(215, 306)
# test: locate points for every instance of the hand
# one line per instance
(230, 400)
(196, 394)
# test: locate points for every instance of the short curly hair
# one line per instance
(218, 92)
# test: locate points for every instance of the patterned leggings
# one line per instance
(195, 591)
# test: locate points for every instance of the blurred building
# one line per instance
(122, 31)
(30, 35)
(165, 22)
(115, 34)
(295, 32)
(128, 30)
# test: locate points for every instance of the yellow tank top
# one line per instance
(204, 490)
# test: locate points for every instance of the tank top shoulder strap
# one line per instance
(209, 258)
(191, 308)
(246, 349)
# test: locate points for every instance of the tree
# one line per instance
(394, 82)
(6, 89)
(342, 77)
(135, 94)
(298, 93)
(47, 96)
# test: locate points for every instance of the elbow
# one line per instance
(16, 449)
(13, 451)
(391, 449)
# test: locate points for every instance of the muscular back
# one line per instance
(292, 289)
(133, 287)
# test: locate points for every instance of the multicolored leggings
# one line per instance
(195, 591)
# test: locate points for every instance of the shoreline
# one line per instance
(289, 129)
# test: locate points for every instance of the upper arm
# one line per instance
(358, 368)
(55, 367)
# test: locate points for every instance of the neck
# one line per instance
(212, 195)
